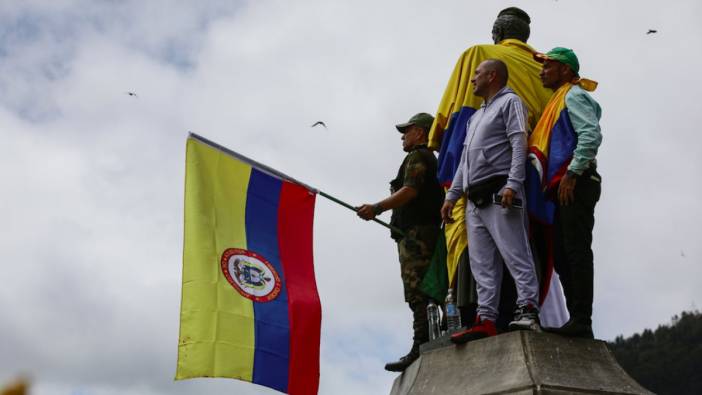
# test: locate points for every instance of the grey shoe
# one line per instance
(526, 317)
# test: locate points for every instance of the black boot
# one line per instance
(573, 328)
(404, 362)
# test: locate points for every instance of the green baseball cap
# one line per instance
(422, 119)
(560, 54)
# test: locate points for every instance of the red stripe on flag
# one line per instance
(295, 222)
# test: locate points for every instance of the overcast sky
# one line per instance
(92, 178)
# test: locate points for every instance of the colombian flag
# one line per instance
(551, 148)
(250, 308)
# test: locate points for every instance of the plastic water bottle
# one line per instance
(434, 320)
(453, 319)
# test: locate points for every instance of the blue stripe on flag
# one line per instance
(561, 145)
(539, 206)
(271, 357)
(452, 145)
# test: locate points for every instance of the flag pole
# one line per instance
(350, 207)
(284, 176)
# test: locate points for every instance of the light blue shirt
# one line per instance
(585, 116)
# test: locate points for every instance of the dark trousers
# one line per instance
(574, 259)
(420, 324)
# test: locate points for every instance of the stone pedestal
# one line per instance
(521, 363)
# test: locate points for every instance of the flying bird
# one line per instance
(319, 123)
(131, 94)
(651, 31)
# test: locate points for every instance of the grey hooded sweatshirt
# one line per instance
(496, 144)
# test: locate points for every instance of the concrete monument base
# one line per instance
(523, 362)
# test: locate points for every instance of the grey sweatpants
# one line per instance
(496, 234)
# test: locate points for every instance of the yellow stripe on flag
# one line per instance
(456, 238)
(541, 137)
(216, 323)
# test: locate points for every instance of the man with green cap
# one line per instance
(415, 200)
(563, 146)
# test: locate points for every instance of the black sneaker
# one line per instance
(404, 362)
(573, 328)
(526, 317)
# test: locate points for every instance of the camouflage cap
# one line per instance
(422, 119)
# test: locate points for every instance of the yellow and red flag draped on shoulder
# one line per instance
(457, 106)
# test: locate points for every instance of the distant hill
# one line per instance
(667, 361)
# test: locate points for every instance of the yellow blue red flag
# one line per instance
(250, 308)
(551, 148)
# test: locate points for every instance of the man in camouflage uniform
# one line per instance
(415, 203)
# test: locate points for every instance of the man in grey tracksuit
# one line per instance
(491, 172)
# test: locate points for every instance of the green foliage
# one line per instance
(667, 360)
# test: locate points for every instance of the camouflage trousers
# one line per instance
(415, 250)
